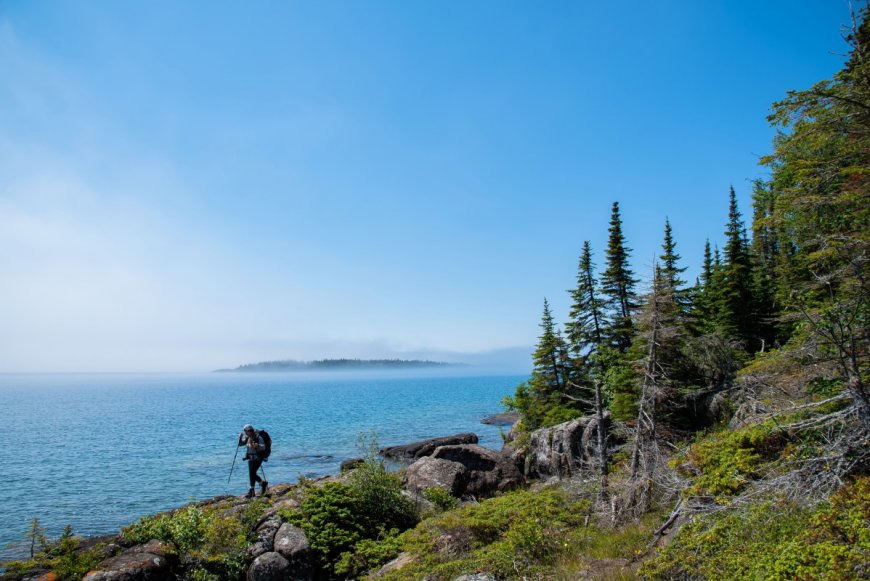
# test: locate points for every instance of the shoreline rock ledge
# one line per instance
(424, 448)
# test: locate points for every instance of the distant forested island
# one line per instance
(339, 365)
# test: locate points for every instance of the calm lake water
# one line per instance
(100, 451)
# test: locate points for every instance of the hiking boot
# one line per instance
(264, 487)
(250, 493)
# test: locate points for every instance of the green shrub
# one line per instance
(368, 554)
(331, 516)
(183, 530)
(836, 545)
(62, 557)
(337, 517)
(224, 535)
(724, 463)
(440, 497)
(380, 492)
(775, 541)
(70, 564)
(254, 511)
(516, 534)
(217, 544)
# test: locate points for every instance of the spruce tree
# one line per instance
(545, 399)
(617, 286)
(672, 272)
(670, 259)
(703, 310)
(765, 258)
(736, 303)
(584, 330)
(548, 372)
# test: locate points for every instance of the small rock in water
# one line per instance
(505, 419)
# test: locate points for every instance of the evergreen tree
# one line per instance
(736, 304)
(617, 286)
(707, 268)
(585, 339)
(672, 272)
(549, 372)
(669, 261)
(584, 330)
(821, 213)
(545, 399)
(703, 303)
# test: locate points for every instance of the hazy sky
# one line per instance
(193, 185)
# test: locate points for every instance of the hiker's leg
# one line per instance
(253, 466)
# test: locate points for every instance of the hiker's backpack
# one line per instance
(267, 441)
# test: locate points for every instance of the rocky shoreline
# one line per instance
(280, 549)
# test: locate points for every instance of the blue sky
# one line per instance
(187, 186)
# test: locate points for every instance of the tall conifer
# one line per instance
(703, 311)
(617, 286)
(584, 330)
(672, 272)
(543, 400)
(736, 302)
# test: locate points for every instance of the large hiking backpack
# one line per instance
(267, 441)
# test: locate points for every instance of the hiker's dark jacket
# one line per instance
(255, 449)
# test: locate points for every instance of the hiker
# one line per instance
(255, 453)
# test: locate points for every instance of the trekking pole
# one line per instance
(263, 470)
(234, 464)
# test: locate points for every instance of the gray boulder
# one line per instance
(148, 562)
(292, 544)
(269, 567)
(351, 464)
(426, 447)
(488, 471)
(401, 561)
(503, 419)
(477, 577)
(265, 536)
(431, 472)
(564, 450)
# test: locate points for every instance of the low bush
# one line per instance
(216, 544)
(722, 464)
(516, 534)
(368, 554)
(62, 557)
(440, 497)
(352, 526)
(777, 540)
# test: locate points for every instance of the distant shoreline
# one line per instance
(339, 365)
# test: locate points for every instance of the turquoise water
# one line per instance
(99, 451)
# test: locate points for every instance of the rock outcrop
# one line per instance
(488, 471)
(464, 470)
(563, 450)
(432, 472)
(148, 562)
(426, 447)
(292, 544)
(269, 567)
(280, 551)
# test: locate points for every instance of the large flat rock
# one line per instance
(426, 447)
